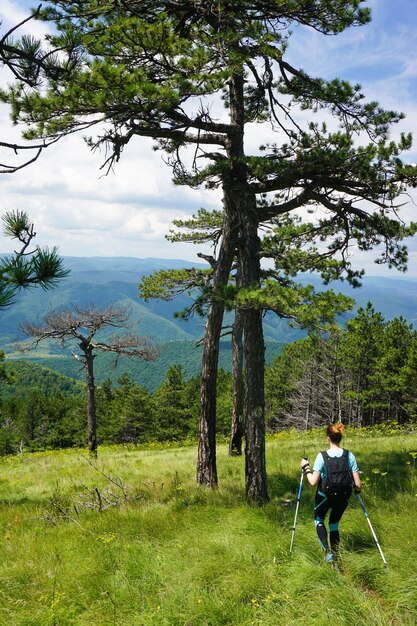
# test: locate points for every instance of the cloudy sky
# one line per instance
(128, 212)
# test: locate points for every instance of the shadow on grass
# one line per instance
(24, 500)
(281, 485)
(388, 473)
(353, 541)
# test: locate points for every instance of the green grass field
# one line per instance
(173, 554)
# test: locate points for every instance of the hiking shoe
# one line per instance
(329, 558)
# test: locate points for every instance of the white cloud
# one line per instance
(128, 213)
(14, 12)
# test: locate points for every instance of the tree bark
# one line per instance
(91, 402)
(254, 350)
(237, 426)
(232, 185)
(206, 462)
(255, 462)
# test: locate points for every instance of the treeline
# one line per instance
(363, 374)
(126, 413)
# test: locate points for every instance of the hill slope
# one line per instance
(101, 280)
(173, 553)
(149, 374)
(30, 376)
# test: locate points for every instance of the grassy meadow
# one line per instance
(133, 542)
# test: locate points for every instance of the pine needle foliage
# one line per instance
(27, 267)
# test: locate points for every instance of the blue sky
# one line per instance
(129, 212)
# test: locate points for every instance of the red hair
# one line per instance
(335, 432)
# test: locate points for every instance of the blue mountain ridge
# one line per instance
(102, 280)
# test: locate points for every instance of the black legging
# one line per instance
(337, 507)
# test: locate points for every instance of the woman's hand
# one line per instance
(312, 477)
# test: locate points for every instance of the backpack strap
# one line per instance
(325, 458)
(346, 454)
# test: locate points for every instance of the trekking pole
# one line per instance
(372, 530)
(300, 488)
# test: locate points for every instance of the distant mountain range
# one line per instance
(101, 280)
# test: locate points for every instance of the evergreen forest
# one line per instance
(363, 374)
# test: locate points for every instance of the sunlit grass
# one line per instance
(174, 554)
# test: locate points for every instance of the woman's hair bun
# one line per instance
(335, 432)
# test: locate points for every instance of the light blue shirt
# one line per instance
(320, 466)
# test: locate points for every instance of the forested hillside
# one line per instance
(100, 280)
(363, 375)
(27, 376)
(150, 374)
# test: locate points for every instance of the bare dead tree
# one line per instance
(317, 396)
(82, 325)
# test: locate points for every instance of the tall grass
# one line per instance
(174, 554)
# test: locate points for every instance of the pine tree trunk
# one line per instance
(91, 403)
(254, 350)
(255, 463)
(232, 185)
(206, 462)
(240, 228)
(249, 275)
(237, 427)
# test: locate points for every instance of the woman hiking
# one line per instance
(334, 472)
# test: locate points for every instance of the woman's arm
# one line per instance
(355, 472)
(357, 481)
(312, 477)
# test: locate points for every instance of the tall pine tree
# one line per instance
(155, 68)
